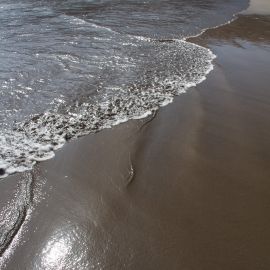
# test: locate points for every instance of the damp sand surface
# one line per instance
(185, 189)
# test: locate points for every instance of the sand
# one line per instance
(186, 189)
(261, 7)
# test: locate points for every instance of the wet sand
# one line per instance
(186, 189)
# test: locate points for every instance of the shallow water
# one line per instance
(69, 68)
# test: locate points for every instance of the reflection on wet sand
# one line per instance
(61, 250)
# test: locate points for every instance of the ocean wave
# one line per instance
(80, 21)
(37, 139)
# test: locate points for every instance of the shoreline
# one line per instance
(197, 197)
(56, 142)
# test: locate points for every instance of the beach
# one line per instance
(184, 188)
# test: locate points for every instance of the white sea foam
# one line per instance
(36, 139)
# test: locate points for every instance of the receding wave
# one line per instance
(181, 67)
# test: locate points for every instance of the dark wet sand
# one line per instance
(188, 190)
